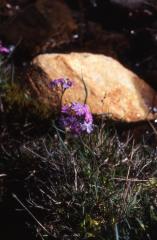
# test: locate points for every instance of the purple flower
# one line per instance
(87, 126)
(79, 108)
(77, 118)
(65, 83)
(88, 117)
(65, 108)
(68, 120)
(3, 50)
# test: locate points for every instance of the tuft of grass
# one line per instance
(97, 186)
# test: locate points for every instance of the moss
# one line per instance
(15, 95)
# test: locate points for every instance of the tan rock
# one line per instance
(111, 88)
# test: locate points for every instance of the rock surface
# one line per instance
(32, 26)
(105, 85)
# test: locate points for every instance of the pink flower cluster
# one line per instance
(77, 118)
(3, 50)
(65, 83)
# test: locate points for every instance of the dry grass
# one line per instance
(101, 186)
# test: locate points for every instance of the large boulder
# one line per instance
(106, 86)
